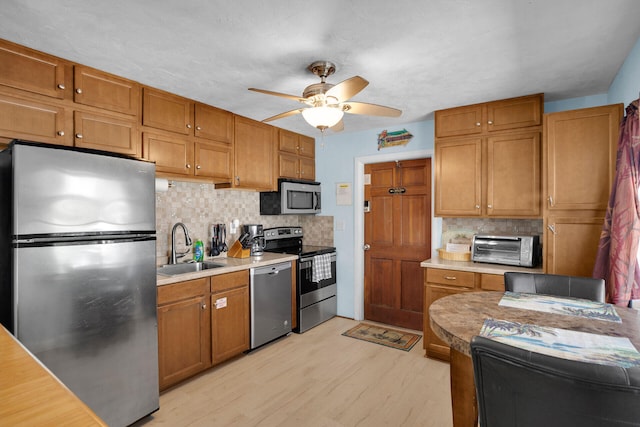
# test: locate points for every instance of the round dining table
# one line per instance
(456, 319)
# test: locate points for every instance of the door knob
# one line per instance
(366, 247)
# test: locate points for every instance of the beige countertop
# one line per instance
(230, 265)
(475, 267)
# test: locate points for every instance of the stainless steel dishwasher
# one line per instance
(270, 303)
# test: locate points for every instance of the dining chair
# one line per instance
(517, 387)
(555, 284)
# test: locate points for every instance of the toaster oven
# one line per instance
(522, 251)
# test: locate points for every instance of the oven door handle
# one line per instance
(310, 258)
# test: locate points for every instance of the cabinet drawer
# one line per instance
(464, 279)
(492, 282)
(230, 280)
(182, 290)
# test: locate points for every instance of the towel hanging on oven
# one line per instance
(321, 267)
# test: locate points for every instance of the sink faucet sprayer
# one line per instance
(187, 240)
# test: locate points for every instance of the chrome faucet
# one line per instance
(187, 241)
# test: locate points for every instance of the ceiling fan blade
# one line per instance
(347, 88)
(370, 109)
(282, 95)
(338, 127)
(283, 115)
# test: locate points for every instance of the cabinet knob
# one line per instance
(78, 90)
(61, 86)
(237, 180)
(477, 206)
(79, 135)
(478, 124)
(60, 133)
(188, 126)
(198, 166)
(204, 306)
(450, 277)
(188, 166)
(490, 122)
(198, 128)
(490, 206)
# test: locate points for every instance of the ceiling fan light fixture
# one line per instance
(322, 117)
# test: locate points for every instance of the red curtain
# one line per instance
(617, 259)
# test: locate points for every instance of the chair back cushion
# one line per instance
(555, 284)
(516, 387)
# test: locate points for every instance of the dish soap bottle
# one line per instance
(198, 251)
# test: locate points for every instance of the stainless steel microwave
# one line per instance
(523, 251)
(294, 197)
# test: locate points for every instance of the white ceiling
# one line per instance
(418, 55)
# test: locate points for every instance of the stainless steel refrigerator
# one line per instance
(78, 272)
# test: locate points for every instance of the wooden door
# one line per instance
(398, 231)
(465, 120)
(213, 160)
(172, 155)
(514, 113)
(108, 133)
(31, 120)
(288, 166)
(307, 168)
(103, 90)
(213, 123)
(163, 110)
(572, 244)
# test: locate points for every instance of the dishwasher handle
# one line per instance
(271, 269)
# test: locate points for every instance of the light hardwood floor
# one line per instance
(319, 378)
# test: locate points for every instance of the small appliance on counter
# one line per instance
(522, 251)
(255, 239)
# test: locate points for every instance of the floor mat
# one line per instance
(384, 336)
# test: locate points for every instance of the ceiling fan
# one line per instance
(326, 103)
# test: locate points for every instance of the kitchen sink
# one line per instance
(190, 267)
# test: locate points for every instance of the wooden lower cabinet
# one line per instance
(230, 315)
(439, 283)
(184, 330)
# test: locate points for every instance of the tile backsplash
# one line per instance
(494, 226)
(200, 205)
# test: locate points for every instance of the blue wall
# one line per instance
(336, 154)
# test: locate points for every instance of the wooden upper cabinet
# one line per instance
(32, 71)
(513, 175)
(580, 154)
(307, 146)
(459, 121)
(31, 120)
(166, 111)
(513, 113)
(458, 177)
(296, 156)
(172, 154)
(253, 154)
(107, 132)
(103, 90)
(213, 160)
(213, 123)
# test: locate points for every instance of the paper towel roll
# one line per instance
(162, 185)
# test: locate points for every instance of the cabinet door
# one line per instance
(307, 146)
(172, 155)
(513, 175)
(213, 160)
(458, 177)
(103, 90)
(31, 120)
(288, 166)
(213, 123)
(253, 154)
(580, 153)
(25, 69)
(288, 141)
(104, 132)
(572, 244)
(184, 331)
(166, 111)
(307, 168)
(435, 347)
(459, 121)
(514, 113)
(230, 323)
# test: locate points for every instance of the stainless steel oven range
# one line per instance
(316, 275)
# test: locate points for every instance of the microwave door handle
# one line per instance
(316, 199)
